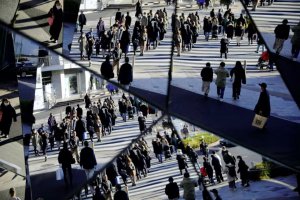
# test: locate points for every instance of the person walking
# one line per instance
(80, 129)
(52, 124)
(131, 170)
(81, 20)
(35, 137)
(44, 143)
(100, 28)
(243, 170)
(181, 159)
(172, 190)
(127, 21)
(107, 70)
(66, 160)
(224, 47)
(125, 74)
(74, 145)
(231, 175)
(209, 170)
(138, 9)
(282, 32)
(8, 115)
(178, 41)
(142, 122)
(116, 55)
(90, 47)
(88, 162)
(217, 167)
(263, 106)
(207, 78)
(188, 186)
(296, 41)
(57, 15)
(222, 74)
(238, 32)
(239, 76)
(125, 41)
(120, 194)
(106, 186)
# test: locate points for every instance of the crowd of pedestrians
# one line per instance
(71, 136)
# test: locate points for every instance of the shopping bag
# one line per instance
(1, 114)
(59, 174)
(259, 121)
(118, 180)
(85, 135)
(50, 21)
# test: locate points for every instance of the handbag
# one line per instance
(50, 21)
(259, 121)
(59, 174)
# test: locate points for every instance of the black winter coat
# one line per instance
(208, 168)
(239, 75)
(282, 31)
(172, 190)
(224, 44)
(207, 74)
(125, 75)
(107, 70)
(87, 158)
(181, 159)
(238, 31)
(263, 104)
(80, 129)
(65, 158)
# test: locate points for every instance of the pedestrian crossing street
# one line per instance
(153, 186)
(122, 134)
(267, 18)
(152, 68)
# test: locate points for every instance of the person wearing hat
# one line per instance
(216, 194)
(263, 106)
(172, 190)
(282, 32)
(296, 41)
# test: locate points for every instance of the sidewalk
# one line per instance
(280, 188)
(7, 10)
